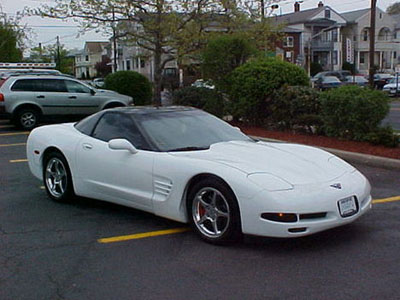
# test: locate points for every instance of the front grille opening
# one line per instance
(320, 215)
(297, 230)
(280, 217)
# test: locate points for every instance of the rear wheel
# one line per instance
(214, 212)
(57, 178)
(27, 118)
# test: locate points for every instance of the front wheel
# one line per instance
(27, 118)
(57, 178)
(214, 212)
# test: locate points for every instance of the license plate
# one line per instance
(347, 207)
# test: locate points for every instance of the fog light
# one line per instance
(280, 217)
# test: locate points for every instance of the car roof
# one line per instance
(146, 110)
(40, 76)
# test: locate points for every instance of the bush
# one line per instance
(130, 83)
(203, 98)
(352, 112)
(297, 106)
(222, 55)
(383, 136)
(254, 83)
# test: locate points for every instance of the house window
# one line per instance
(334, 36)
(288, 42)
(362, 57)
(334, 58)
(365, 34)
(327, 13)
(142, 63)
(394, 54)
(87, 57)
(128, 65)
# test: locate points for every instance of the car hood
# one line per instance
(110, 93)
(391, 85)
(294, 163)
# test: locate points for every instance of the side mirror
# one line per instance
(92, 92)
(122, 144)
(237, 128)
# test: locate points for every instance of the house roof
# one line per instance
(95, 47)
(397, 20)
(300, 16)
(352, 16)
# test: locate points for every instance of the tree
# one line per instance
(50, 54)
(103, 67)
(11, 39)
(168, 29)
(393, 9)
(222, 55)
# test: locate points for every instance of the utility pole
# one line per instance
(114, 40)
(58, 53)
(372, 44)
(40, 51)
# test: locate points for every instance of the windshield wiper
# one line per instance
(191, 148)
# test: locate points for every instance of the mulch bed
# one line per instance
(323, 141)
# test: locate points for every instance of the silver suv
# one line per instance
(28, 98)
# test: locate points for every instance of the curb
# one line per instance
(354, 157)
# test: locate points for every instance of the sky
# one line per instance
(45, 30)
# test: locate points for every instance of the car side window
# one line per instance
(26, 85)
(52, 85)
(115, 125)
(76, 87)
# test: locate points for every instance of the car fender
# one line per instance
(172, 176)
(14, 106)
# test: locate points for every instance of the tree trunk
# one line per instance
(157, 77)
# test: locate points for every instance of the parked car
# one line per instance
(341, 75)
(393, 87)
(380, 80)
(28, 98)
(98, 82)
(327, 82)
(356, 80)
(201, 83)
(187, 165)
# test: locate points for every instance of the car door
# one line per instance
(83, 100)
(116, 175)
(52, 95)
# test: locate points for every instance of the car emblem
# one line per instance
(336, 186)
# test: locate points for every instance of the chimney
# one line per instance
(296, 6)
(320, 4)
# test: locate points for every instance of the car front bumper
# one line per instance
(306, 200)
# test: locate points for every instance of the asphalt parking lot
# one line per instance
(57, 251)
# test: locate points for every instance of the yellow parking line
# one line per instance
(18, 160)
(14, 133)
(141, 235)
(391, 199)
(7, 126)
(12, 145)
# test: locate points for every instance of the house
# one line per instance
(86, 60)
(386, 46)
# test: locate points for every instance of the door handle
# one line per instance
(87, 146)
(72, 97)
(40, 97)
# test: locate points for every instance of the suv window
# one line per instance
(39, 85)
(119, 126)
(25, 85)
(76, 87)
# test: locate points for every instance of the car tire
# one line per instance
(27, 118)
(57, 178)
(214, 212)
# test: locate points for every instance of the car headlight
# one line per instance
(341, 164)
(270, 182)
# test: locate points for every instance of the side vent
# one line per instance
(162, 188)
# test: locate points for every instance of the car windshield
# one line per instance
(359, 79)
(187, 130)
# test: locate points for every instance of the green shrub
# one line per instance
(254, 83)
(352, 112)
(203, 98)
(383, 136)
(130, 83)
(297, 106)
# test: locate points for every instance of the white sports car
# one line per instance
(187, 165)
